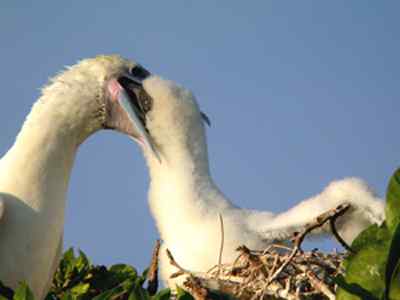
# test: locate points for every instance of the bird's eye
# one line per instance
(139, 72)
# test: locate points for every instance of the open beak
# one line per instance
(128, 92)
(133, 113)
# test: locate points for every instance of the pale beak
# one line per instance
(133, 114)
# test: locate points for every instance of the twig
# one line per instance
(196, 289)
(221, 248)
(275, 264)
(254, 260)
(152, 275)
(320, 286)
(173, 262)
(336, 234)
(293, 273)
(299, 237)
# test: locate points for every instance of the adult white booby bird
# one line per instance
(186, 203)
(97, 93)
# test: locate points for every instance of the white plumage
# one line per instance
(185, 201)
(34, 173)
(107, 92)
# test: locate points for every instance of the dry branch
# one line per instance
(278, 272)
(152, 275)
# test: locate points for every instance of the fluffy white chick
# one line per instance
(186, 203)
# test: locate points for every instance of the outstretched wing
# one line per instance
(366, 209)
(283, 225)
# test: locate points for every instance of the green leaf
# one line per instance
(82, 262)
(68, 296)
(145, 272)
(138, 293)
(65, 270)
(51, 296)
(3, 298)
(394, 292)
(23, 292)
(123, 288)
(123, 271)
(373, 234)
(80, 289)
(69, 255)
(366, 268)
(355, 291)
(392, 208)
(104, 296)
(119, 273)
(164, 294)
(393, 263)
(67, 262)
(181, 294)
(110, 294)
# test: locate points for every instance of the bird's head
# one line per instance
(103, 92)
(173, 121)
(110, 92)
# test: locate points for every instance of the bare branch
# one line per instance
(152, 275)
(299, 237)
(221, 248)
(336, 234)
(319, 285)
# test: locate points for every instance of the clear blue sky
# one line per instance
(299, 93)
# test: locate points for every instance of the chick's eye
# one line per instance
(140, 72)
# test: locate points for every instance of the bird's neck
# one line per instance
(187, 161)
(181, 188)
(43, 155)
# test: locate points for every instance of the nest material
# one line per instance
(278, 272)
(266, 274)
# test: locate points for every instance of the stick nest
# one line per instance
(278, 272)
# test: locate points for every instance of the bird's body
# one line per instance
(186, 203)
(33, 183)
(35, 172)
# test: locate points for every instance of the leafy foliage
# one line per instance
(393, 202)
(373, 271)
(77, 279)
